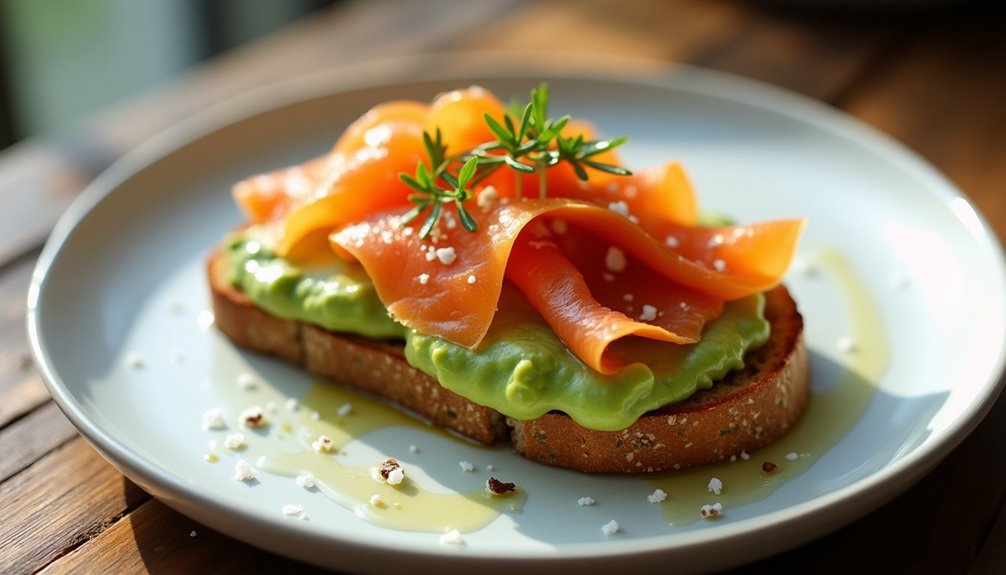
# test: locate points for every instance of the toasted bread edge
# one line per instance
(748, 409)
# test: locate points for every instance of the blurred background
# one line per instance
(61, 60)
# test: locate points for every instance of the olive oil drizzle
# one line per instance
(829, 416)
(284, 448)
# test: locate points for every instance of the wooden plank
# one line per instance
(811, 53)
(727, 36)
(21, 388)
(29, 438)
(66, 498)
(941, 98)
(156, 539)
(20, 398)
(38, 179)
(991, 557)
(15, 361)
(596, 30)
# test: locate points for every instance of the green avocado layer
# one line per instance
(337, 296)
(521, 369)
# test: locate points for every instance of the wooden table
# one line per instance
(935, 80)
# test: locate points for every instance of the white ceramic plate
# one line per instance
(122, 274)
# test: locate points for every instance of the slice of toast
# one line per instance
(747, 410)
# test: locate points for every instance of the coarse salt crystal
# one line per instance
(423, 278)
(649, 313)
(804, 266)
(487, 197)
(292, 404)
(234, 441)
(628, 297)
(585, 501)
(243, 471)
(471, 279)
(413, 449)
(247, 381)
(719, 265)
(307, 481)
(446, 255)
(254, 416)
(323, 444)
(792, 456)
(466, 466)
(375, 500)
(431, 255)
(715, 486)
(610, 528)
(135, 360)
(213, 418)
(449, 221)
(711, 511)
(344, 409)
(745, 455)
(293, 510)
(396, 476)
(615, 260)
(846, 345)
(390, 471)
(452, 537)
(658, 496)
(205, 319)
(559, 226)
(192, 533)
(672, 241)
(619, 207)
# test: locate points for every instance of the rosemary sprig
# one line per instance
(528, 145)
(431, 194)
(578, 153)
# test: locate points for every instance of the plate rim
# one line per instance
(370, 75)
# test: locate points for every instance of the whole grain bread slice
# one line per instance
(747, 410)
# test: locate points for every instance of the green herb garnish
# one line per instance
(431, 194)
(528, 146)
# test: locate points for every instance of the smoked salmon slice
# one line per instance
(604, 260)
(449, 285)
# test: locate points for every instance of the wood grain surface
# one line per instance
(934, 79)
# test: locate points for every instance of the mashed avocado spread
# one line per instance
(521, 369)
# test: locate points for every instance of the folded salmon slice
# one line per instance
(359, 175)
(449, 286)
(612, 258)
(566, 278)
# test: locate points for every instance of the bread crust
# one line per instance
(748, 409)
